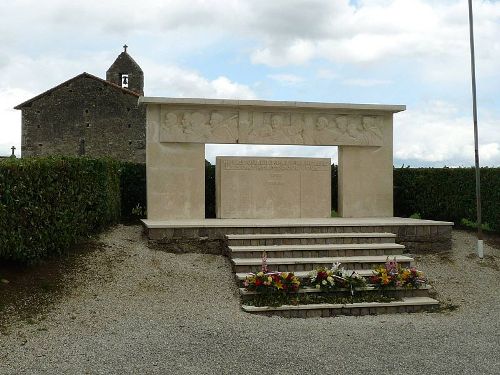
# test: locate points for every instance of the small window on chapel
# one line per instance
(125, 80)
(87, 124)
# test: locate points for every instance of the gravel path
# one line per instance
(139, 311)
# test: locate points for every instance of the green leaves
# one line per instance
(48, 204)
(447, 194)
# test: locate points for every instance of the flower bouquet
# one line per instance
(392, 275)
(386, 276)
(335, 278)
(273, 282)
(411, 278)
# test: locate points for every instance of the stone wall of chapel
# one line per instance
(85, 115)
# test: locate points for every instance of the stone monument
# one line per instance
(178, 129)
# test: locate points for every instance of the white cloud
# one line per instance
(10, 119)
(175, 81)
(366, 82)
(438, 133)
(296, 52)
(326, 74)
(286, 79)
(420, 42)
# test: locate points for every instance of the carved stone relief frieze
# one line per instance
(199, 126)
(257, 127)
(344, 130)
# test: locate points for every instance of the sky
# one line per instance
(412, 52)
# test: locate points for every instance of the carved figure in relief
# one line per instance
(187, 124)
(221, 128)
(195, 127)
(321, 131)
(339, 129)
(171, 127)
(371, 132)
(295, 130)
(354, 129)
(277, 134)
(364, 131)
(262, 131)
(272, 133)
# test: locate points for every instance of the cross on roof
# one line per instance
(13, 148)
(125, 48)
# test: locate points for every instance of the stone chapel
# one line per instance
(89, 116)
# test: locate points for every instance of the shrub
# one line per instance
(209, 190)
(447, 194)
(428, 193)
(133, 190)
(47, 204)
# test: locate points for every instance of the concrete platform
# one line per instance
(333, 221)
(417, 235)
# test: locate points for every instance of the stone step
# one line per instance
(308, 238)
(305, 264)
(312, 251)
(407, 304)
(422, 291)
(305, 274)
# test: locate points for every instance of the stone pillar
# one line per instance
(175, 175)
(365, 178)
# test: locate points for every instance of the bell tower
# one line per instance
(126, 73)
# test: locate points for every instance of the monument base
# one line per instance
(417, 235)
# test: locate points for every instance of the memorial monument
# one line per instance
(178, 129)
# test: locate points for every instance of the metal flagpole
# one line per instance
(476, 143)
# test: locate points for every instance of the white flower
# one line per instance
(330, 280)
(318, 286)
(323, 282)
(335, 266)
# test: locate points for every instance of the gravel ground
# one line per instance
(139, 311)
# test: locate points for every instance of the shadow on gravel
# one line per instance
(493, 239)
(28, 291)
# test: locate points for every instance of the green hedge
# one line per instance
(434, 193)
(209, 190)
(447, 194)
(47, 204)
(133, 191)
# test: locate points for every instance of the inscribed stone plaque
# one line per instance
(264, 188)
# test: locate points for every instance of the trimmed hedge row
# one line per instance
(133, 191)
(47, 204)
(433, 193)
(447, 194)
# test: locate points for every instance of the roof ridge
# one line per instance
(84, 74)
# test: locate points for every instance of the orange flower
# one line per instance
(385, 279)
